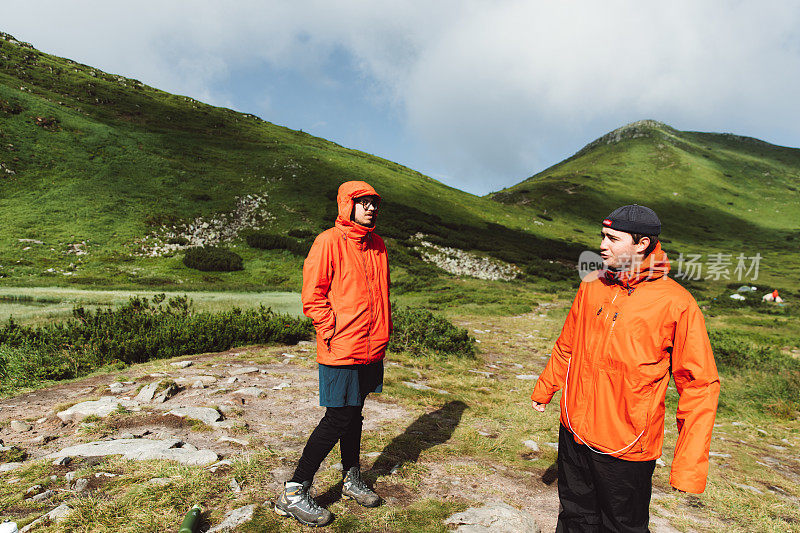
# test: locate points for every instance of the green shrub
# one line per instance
(735, 351)
(300, 233)
(212, 259)
(138, 331)
(270, 241)
(421, 332)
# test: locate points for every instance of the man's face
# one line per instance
(618, 249)
(366, 210)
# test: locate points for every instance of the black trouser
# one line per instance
(340, 424)
(601, 492)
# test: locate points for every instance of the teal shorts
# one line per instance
(340, 386)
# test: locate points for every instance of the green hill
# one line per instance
(104, 180)
(715, 193)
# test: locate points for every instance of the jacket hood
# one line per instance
(654, 266)
(348, 191)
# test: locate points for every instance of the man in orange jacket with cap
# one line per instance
(346, 294)
(629, 328)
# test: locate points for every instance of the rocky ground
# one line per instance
(205, 411)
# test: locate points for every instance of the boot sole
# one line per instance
(287, 514)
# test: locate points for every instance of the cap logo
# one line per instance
(607, 222)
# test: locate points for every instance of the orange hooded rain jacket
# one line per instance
(624, 335)
(346, 287)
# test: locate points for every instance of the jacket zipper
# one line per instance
(369, 294)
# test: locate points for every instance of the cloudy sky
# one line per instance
(477, 94)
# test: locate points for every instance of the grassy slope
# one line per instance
(713, 193)
(124, 158)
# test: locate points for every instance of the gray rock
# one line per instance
(42, 496)
(192, 380)
(243, 370)
(532, 444)
(56, 515)
(417, 386)
(33, 489)
(231, 440)
(102, 408)
(234, 485)
(749, 488)
(81, 485)
(182, 364)
(147, 392)
(250, 391)
(62, 461)
(206, 415)
(553, 445)
(660, 462)
(528, 376)
(8, 467)
(142, 450)
(167, 393)
(494, 518)
(282, 386)
(224, 424)
(20, 426)
(720, 455)
(116, 387)
(69, 477)
(235, 518)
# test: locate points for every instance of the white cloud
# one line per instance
(491, 91)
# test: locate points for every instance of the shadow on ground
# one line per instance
(425, 432)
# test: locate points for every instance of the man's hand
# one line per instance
(538, 406)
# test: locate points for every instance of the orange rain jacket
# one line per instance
(623, 336)
(346, 287)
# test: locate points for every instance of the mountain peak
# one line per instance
(634, 130)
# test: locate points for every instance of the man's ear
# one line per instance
(642, 245)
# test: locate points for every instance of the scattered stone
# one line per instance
(231, 440)
(250, 391)
(305, 343)
(231, 380)
(759, 430)
(167, 393)
(372, 455)
(42, 439)
(56, 515)
(484, 433)
(147, 392)
(142, 450)
(482, 373)
(528, 376)
(126, 436)
(206, 415)
(101, 408)
(532, 444)
(243, 370)
(289, 355)
(198, 385)
(738, 424)
(116, 387)
(494, 518)
(192, 380)
(32, 490)
(337, 466)
(235, 518)
(42, 420)
(8, 467)
(234, 485)
(20, 426)
(281, 386)
(219, 464)
(660, 462)
(720, 455)
(749, 488)
(417, 386)
(517, 365)
(62, 461)
(227, 409)
(182, 364)
(69, 477)
(553, 445)
(81, 485)
(46, 495)
(225, 424)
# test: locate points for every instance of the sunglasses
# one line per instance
(367, 201)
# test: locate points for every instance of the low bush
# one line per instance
(212, 259)
(421, 332)
(270, 241)
(736, 351)
(138, 331)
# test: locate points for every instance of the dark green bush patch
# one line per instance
(421, 332)
(212, 259)
(270, 241)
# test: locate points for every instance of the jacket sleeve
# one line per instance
(697, 381)
(554, 375)
(317, 276)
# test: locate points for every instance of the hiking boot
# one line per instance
(355, 489)
(295, 501)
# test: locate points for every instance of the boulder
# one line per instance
(493, 518)
(205, 415)
(141, 450)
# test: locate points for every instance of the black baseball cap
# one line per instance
(634, 219)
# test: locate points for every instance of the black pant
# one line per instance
(340, 424)
(601, 492)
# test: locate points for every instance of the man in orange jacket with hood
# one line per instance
(346, 294)
(629, 328)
